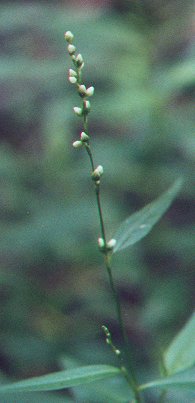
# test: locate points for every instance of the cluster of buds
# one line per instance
(77, 59)
(108, 247)
(85, 92)
(84, 138)
(84, 110)
(74, 77)
(109, 340)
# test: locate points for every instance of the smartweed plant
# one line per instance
(178, 361)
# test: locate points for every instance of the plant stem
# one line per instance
(78, 64)
(97, 192)
(129, 375)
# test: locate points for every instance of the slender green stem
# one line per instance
(85, 123)
(97, 192)
(90, 156)
(130, 376)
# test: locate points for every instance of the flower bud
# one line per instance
(77, 144)
(77, 111)
(72, 73)
(111, 244)
(69, 36)
(82, 90)
(71, 49)
(100, 170)
(90, 91)
(72, 80)
(84, 136)
(87, 106)
(101, 243)
(73, 57)
(79, 60)
(97, 173)
(106, 331)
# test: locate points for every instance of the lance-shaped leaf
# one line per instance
(184, 380)
(139, 224)
(63, 379)
(181, 353)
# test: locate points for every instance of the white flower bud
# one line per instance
(99, 170)
(97, 173)
(71, 49)
(72, 80)
(101, 243)
(69, 36)
(82, 89)
(77, 111)
(84, 136)
(111, 244)
(90, 91)
(72, 73)
(79, 60)
(77, 144)
(87, 106)
(73, 57)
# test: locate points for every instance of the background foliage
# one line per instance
(54, 293)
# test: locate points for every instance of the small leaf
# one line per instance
(184, 379)
(181, 353)
(63, 379)
(139, 224)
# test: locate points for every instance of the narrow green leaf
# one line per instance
(181, 352)
(63, 379)
(184, 379)
(34, 397)
(139, 224)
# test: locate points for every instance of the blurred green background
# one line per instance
(54, 291)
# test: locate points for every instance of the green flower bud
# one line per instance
(106, 331)
(84, 137)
